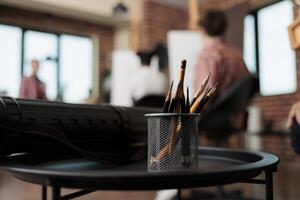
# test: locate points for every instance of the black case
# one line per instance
(96, 128)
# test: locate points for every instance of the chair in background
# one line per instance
(217, 121)
(218, 125)
(153, 101)
(295, 137)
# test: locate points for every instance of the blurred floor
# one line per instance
(286, 181)
(14, 189)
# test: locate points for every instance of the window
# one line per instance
(76, 67)
(10, 59)
(275, 59)
(66, 62)
(42, 46)
(249, 44)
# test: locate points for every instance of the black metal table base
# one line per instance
(268, 182)
(56, 193)
(56, 190)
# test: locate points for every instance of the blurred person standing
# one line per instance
(293, 122)
(223, 62)
(32, 87)
(148, 80)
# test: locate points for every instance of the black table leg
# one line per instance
(179, 194)
(44, 192)
(269, 185)
(56, 193)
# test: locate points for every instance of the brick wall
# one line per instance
(50, 23)
(157, 20)
(276, 108)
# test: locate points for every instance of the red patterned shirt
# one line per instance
(32, 88)
(224, 63)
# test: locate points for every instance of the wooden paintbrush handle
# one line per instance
(169, 148)
(162, 153)
(172, 132)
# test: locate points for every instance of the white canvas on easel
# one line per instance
(125, 64)
(184, 45)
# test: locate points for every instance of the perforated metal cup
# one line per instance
(172, 141)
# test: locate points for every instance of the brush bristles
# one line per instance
(183, 64)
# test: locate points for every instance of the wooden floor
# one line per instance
(13, 189)
(286, 181)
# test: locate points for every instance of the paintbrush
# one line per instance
(201, 89)
(176, 101)
(187, 102)
(186, 138)
(209, 96)
(168, 99)
(196, 104)
(179, 102)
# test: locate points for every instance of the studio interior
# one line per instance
(149, 99)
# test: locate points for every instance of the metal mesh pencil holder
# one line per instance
(172, 141)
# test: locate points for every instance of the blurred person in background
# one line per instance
(148, 80)
(223, 62)
(32, 87)
(293, 122)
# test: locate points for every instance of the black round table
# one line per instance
(216, 167)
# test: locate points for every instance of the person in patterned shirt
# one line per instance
(32, 87)
(223, 62)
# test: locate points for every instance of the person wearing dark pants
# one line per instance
(293, 122)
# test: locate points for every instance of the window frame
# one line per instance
(254, 13)
(24, 29)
